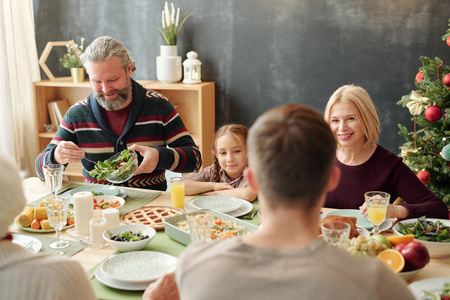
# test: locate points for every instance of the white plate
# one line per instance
(244, 209)
(433, 285)
(220, 203)
(98, 188)
(122, 193)
(27, 242)
(360, 220)
(106, 280)
(139, 266)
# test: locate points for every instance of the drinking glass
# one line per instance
(57, 209)
(200, 224)
(53, 177)
(336, 233)
(177, 192)
(376, 203)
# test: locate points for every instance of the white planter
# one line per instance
(168, 65)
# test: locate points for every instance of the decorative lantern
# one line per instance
(192, 68)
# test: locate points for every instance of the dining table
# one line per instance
(89, 257)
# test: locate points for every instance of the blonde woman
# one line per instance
(366, 166)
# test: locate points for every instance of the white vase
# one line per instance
(168, 65)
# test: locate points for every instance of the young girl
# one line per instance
(226, 175)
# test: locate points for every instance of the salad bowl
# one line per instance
(436, 249)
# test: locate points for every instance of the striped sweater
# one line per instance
(152, 122)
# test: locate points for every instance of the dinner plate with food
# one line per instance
(35, 219)
(360, 220)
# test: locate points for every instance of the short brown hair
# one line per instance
(292, 151)
(365, 110)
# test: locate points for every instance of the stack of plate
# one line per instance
(134, 271)
(232, 206)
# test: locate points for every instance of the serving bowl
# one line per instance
(110, 199)
(129, 246)
(409, 275)
(120, 176)
(435, 249)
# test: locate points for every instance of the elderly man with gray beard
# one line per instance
(119, 114)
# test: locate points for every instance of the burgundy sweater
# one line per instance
(386, 172)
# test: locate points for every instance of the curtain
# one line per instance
(19, 68)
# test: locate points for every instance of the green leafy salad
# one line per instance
(119, 167)
(426, 230)
(444, 296)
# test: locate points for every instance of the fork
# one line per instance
(91, 161)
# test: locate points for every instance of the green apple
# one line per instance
(382, 239)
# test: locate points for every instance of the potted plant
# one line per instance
(71, 60)
(168, 64)
(170, 28)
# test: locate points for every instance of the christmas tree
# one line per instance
(427, 150)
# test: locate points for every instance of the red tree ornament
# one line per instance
(448, 41)
(424, 176)
(446, 80)
(433, 113)
(419, 76)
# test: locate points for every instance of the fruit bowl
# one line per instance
(409, 275)
(435, 249)
(133, 245)
(123, 174)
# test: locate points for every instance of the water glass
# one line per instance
(376, 203)
(336, 233)
(200, 224)
(177, 192)
(57, 210)
(53, 177)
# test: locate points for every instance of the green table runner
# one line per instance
(160, 243)
(134, 199)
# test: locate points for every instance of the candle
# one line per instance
(96, 228)
(83, 210)
(98, 213)
(111, 215)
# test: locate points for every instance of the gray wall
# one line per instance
(264, 53)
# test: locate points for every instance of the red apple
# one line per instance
(416, 255)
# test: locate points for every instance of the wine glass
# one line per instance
(57, 210)
(53, 177)
(377, 203)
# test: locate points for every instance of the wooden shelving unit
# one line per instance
(195, 104)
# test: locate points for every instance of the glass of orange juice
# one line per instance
(177, 192)
(377, 203)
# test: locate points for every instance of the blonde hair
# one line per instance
(239, 131)
(292, 152)
(365, 110)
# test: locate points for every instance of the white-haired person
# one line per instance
(291, 153)
(366, 166)
(23, 274)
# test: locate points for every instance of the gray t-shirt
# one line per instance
(231, 269)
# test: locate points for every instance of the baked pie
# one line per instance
(152, 216)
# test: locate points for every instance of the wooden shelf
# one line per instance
(195, 104)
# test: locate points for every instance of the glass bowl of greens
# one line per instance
(433, 233)
(118, 168)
